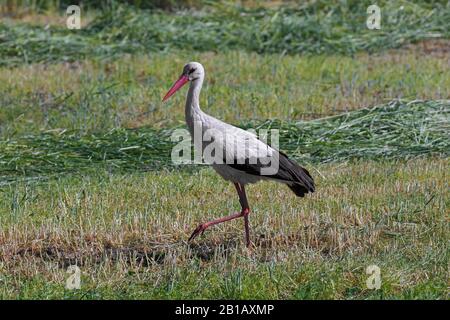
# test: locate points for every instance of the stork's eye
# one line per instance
(192, 70)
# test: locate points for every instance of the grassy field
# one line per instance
(381, 173)
(128, 235)
(96, 96)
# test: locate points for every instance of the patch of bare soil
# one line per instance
(64, 257)
(439, 48)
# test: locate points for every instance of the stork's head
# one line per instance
(191, 72)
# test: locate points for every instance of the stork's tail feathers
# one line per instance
(298, 178)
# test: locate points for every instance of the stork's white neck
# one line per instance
(192, 109)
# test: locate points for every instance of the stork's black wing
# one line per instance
(297, 177)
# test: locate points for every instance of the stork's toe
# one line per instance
(199, 230)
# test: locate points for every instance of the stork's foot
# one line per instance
(199, 230)
(244, 213)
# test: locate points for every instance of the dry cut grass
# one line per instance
(128, 235)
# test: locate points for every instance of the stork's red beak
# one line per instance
(177, 85)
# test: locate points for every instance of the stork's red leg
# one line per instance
(244, 213)
(201, 228)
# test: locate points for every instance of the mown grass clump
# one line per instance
(315, 27)
(398, 130)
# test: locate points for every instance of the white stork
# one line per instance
(240, 146)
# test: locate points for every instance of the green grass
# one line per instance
(316, 27)
(92, 97)
(128, 235)
(398, 130)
